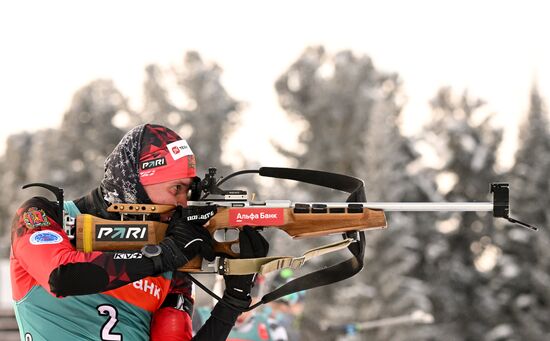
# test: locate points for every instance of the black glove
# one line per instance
(237, 287)
(186, 237)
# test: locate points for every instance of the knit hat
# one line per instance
(164, 156)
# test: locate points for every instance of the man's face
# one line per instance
(169, 193)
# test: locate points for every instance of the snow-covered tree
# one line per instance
(532, 161)
(352, 114)
(210, 112)
(521, 275)
(334, 95)
(13, 170)
(464, 250)
(87, 136)
(158, 107)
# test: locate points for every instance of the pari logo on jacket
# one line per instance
(45, 237)
(179, 149)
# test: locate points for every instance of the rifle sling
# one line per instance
(264, 265)
(325, 276)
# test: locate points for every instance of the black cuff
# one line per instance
(236, 303)
(157, 263)
(172, 257)
(225, 314)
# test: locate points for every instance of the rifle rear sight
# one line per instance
(210, 187)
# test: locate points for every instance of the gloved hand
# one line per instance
(186, 237)
(237, 287)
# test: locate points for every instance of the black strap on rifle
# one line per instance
(337, 272)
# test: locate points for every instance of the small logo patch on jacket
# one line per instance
(45, 237)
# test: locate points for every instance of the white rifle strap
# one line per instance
(264, 265)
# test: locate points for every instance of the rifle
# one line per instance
(299, 220)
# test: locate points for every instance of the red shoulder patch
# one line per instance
(34, 218)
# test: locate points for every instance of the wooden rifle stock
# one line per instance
(96, 234)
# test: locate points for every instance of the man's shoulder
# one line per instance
(38, 202)
(38, 210)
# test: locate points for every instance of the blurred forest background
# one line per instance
(480, 278)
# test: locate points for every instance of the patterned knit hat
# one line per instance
(147, 154)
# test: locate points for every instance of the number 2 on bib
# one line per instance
(106, 334)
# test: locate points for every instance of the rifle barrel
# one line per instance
(386, 206)
(432, 206)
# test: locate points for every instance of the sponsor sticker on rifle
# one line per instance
(121, 233)
(256, 216)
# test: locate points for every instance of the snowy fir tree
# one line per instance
(211, 112)
(352, 113)
(520, 280)
(464, 250)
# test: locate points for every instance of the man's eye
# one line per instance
(180, 189)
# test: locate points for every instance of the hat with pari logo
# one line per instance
(164, 156)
